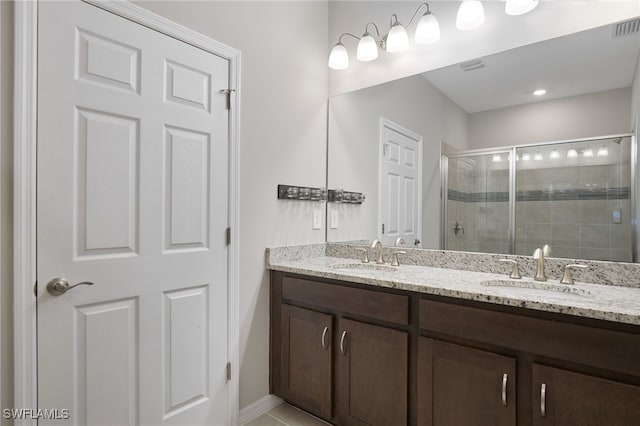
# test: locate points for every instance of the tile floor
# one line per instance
(286, 415)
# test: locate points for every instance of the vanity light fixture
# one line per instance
(554, 154)
(572, 153)
(470, 15)
(520, 7)
(526, 156)
(603, 151)
(396, 40)
(539, 92)
(537, 156)
(587, 152)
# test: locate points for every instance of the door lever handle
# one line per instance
(59, 286)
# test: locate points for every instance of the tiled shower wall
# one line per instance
(572, 209)
(569, 208)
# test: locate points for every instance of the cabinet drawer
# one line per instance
(602, 348)
(388, 307)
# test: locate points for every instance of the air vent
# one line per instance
(472, 65)
(626, 28)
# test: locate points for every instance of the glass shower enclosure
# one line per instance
(577, 196)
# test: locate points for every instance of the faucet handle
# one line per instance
(394, 257)
(365, 255)
(515, 272)
(567, 278)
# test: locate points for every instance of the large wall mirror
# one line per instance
(467, 157)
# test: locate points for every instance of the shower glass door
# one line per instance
(477, 208)
(576, 197)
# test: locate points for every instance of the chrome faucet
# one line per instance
(539, 255)
(377, 246)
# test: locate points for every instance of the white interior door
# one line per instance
(400, 184)
(132, 196)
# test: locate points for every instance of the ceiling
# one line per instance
(585, 62)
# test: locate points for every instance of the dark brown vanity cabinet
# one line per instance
(565, 398)
(339, 352)
(362, 355)
(461, 386)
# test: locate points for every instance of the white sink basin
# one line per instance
(364, 267)
(538, 288)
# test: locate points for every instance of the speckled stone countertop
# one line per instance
(605, 302)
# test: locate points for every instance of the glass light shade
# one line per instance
(367, 48)
(554, 154)
(603, 151)
(572, 153)
(339, 58)
(397, 39)
(537, 156)
(587, 153)
(428, 29)
(497, 158)
(520, 7)
(526, 156)
(470, 15)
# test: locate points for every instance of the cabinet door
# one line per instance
(306, 359)
(372, 374)
(564, 398)
(463, 386)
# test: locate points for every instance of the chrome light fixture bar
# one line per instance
(396, 39)
(470, 16)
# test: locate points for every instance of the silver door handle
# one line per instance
(59, 286)
(324, 335)
(543, 400)
(342, 349)
(505, 377)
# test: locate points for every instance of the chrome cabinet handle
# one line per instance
(59, 286)
(505, 377)
(543, 400)
(342, 349)
(324, 335)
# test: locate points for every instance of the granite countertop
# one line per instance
(605, 302)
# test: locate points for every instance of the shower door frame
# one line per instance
(512, 149)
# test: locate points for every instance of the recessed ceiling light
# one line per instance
(539, 92)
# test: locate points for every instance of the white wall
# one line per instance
(354, 125)
(595, 114)
(500, 32)
(6, 217)
(283, 140)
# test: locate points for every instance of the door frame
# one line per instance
(24, 207)
(385, 122)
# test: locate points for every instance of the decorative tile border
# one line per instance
(578, 194)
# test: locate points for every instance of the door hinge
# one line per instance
(35, 289)
(228, 236)
(228, 371)
(228, 93)
(383, 228)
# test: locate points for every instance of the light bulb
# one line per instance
(572, 153)
(470, 15)
(537, 156)
(428, 29)
(339, 58)
(397, 39)
(519, 7)
(587, 152)
(526, 156)
(554, 154)
(603, 151)
(367, 48)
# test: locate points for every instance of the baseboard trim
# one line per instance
(258, 408)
